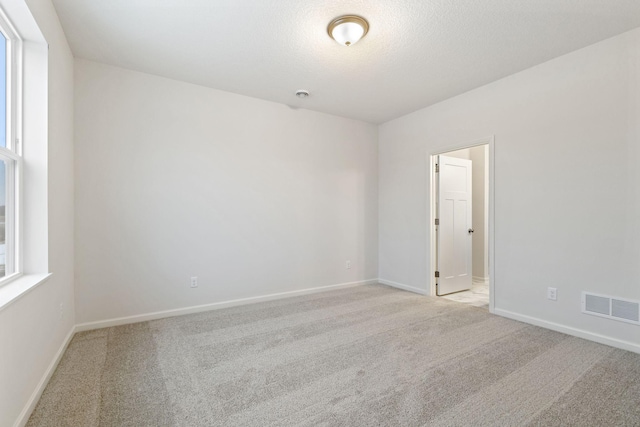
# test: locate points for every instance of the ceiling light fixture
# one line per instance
(348, 29)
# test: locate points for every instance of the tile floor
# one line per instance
(477, 296)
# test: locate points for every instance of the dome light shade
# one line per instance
(348, 29)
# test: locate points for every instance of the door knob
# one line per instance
(470, 230)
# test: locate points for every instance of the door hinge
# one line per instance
(437, 168)
(437, 221)
(437, 274)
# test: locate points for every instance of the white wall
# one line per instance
(178, 180)
(567, 184)
(464, 153)
(31, 329)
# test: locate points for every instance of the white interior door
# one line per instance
(454, 231)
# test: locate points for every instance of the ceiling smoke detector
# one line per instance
(302, 94)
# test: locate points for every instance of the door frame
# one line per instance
(431, 212)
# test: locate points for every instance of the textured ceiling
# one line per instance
(417, 52)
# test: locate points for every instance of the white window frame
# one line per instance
(12, 154)
(30, 75)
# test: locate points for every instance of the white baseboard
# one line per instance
(214, 306)
(625, 345)
(23, 418)
(479, 279)
(403, 287)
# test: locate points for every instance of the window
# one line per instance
(24, 131)
(10, 153)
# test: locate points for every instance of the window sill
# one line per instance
(19, 287)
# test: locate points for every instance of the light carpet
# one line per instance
(362, 356)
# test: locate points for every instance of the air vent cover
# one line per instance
(596, 304)
(611, 307)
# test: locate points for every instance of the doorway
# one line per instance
(461, 237)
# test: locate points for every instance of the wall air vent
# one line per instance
(613, 308)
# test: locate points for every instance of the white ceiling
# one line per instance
(417, 52)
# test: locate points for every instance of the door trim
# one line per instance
(431, 212)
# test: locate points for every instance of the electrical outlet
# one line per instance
(194, 282)
(348, 265)
(552, 294)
